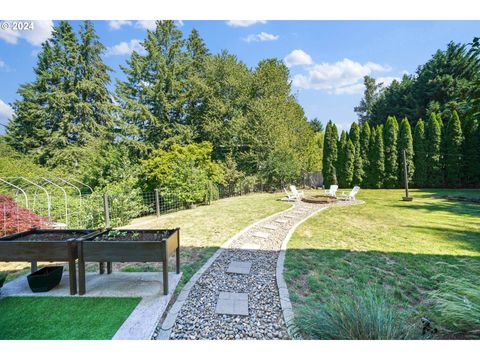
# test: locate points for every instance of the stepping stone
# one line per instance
(270, 227)
(232, 303)
(239, 267)
(261, 234)
(250, 246)
(281, 221)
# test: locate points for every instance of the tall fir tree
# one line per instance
(95, 107)
(330, 155)
(365, 151)
(433, 139)
(68, 103)
(405, 142)
(390, 137)
(152, 98)
(420, 155)
(358, 171)
(471, 153)
(453, 154)
(377, 159)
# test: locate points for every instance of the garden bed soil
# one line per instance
(134, 235)
(54, 235)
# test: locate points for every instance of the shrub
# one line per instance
(456, 306)
(184, 170)
(17, 219)
(363, 316)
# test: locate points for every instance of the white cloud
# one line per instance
(180, 23)
(117, 24)
(244, 23)
(126, 48)
(260, 37)
(146, 24)
(42, 30)
(140, 24)
(6, 112)
(387, 80)
(350, 89)
(2, 64)
(342, 77)
(298, 57)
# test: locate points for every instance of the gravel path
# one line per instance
(197, 318)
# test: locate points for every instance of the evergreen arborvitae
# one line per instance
(349, 163)
(365, 151)
(405, 142)
(390, 136)
(433, 143)
(453, 155)
(471, 153)
(330, 155)
(420, 155)
(341, 149)
(377, 158)
(358, 172)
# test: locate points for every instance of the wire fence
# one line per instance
(97, 210)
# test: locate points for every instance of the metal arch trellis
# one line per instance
(18, 189)
(49, 198)
(64, 194)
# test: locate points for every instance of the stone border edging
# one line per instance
(282, 285)
(167, 325)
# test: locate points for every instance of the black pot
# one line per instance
(3, 277)
(45, 279)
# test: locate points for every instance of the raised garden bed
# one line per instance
(319, 199)
(128, 246)
(44, 245)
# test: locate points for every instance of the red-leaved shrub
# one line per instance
(14, 218)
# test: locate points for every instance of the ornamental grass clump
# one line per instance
(456, 305)
(364, 315)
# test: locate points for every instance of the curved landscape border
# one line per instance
(167, 324)
(282, 285)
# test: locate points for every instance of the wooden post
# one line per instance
(101, 266)
(177, 252)
(72, 271)
(157, 202)
(406, 197)
(33, 266)
(81, 269)
(106, 210)
(109, 267)
(165, 273)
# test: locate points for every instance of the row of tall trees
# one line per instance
(438, 154)
(174, 92)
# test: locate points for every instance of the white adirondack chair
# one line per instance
(332, 191)
(351, 195)
(289, 196)
(295, 192)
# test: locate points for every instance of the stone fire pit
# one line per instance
(319, 199)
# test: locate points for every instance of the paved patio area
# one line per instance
(141, 323)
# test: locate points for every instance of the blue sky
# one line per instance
(327, 59)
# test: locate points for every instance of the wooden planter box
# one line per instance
(44, 245)
(45, 279)
(128, 246)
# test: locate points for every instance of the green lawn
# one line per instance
(204, 229)
(63, 318)
(407, 249)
